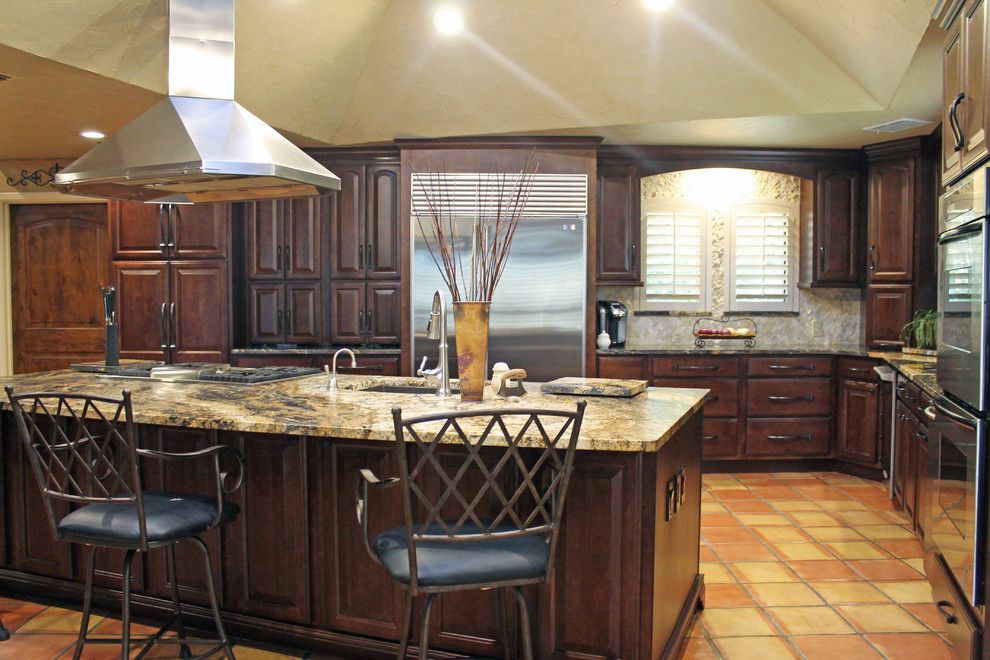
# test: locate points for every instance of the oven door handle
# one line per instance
(971, 227)
(954, 416)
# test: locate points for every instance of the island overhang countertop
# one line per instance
(304, 407)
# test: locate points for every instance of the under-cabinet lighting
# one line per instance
(92, 135)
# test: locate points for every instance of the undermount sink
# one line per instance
(403, 389)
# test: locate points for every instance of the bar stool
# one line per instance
(83, 453)
(452, 547)
(4, 633)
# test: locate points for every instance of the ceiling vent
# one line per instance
(897, 125)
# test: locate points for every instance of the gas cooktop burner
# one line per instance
(250, 376)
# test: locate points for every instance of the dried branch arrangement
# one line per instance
(472, 265)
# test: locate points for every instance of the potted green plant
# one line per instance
(922, 331)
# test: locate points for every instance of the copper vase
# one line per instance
(471, 336)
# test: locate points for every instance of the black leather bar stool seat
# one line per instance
(84, 454)
(485, 516)
(168, 517)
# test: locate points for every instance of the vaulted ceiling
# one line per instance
(344, 72)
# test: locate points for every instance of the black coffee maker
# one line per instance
(613, 318)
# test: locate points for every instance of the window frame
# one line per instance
(790, 209)
(658, 206)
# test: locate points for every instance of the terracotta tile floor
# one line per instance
(810, 565)
(797, 565)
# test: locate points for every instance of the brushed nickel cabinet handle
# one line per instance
(368, 259)
(361, 256)
(873, 257)
(792, 367)
(821, 257)
(709, 438)
(693, 367)
(278, 258)
(161, 327)
(288, 258)
(787, 438)
(790, 399)
(173, 330)
(278, 322)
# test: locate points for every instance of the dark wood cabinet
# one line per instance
(905, 460)
(858, 422)
(888, 308)
(365, 312)
(365, 222)
(890, 242)
(265, 303)
(372, 365)
(621, 367)
(965, 57)
(262, 240)
(176, 311)
(832, 228)
(618, 224)
(153, 231)
(303, 312)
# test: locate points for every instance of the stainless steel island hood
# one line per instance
(197, 144)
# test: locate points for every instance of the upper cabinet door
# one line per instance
(347, 306)
(837, 228)
(890, 250)
(952, 87)
(263, 239)
(264, 310)
(347, 245)
(972, 110)
(382, 249)
(618, 224)
(138, 231)
(384, 313)
(142, 309)
(199, 231)
(198, 311)
(305, 219)
(303, 314)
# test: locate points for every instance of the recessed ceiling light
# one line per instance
(658, 5)
(448, 21)
(92, 135)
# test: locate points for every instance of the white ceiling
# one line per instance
(732, 72)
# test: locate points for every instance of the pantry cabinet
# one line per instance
(965, 57)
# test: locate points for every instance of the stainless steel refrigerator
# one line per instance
(538, 311)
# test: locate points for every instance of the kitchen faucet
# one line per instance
(436, 328)
(332, 383)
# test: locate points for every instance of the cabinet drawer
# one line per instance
(962, 629)
(789, 397)
(723, 400)
(787, 437)
(630, 367)
(695, 366)
(908, 392)
(790, 366)
(720, 438)
(860, 369)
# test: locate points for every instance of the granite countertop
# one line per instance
(303, 407)
(315, 350)
(736, 348)
(919, 369)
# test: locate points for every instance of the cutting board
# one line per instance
(594, 386)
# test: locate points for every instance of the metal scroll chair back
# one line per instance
(524, 457)
(82, 449)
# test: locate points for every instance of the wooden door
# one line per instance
(303, 313)
(266, 549)
(382, 221)
(891, 221)
(837, 237)
(347, 247)
(305, 219)
(888, 308)
(972, 111)
(198, 311)
(905, 474)
(618, 224)
(265, 312)
(347, 322)
(383, 315)
(952, 86)
(199, 231)
(858, 439)
(142, 308)
(263, 244)
(139, 231)
(60, 258)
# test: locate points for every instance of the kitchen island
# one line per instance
(293, 567)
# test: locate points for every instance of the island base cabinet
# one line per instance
(294, 569)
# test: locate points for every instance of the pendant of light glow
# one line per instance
(658, 5)
(448, 21)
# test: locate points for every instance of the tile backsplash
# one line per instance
(826, 318)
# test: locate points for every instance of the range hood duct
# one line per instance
(197, 144)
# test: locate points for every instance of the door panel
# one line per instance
(858, 439)
(347, 312)
(138, 231)
(973, 111)
(265, 312)
(952, 85)
(305, 220)
(888, 308)
(347, 223)
(303, 313)
(198, 311)
(383, 313)
(837, 228)
(263, 240)
(142, 308)
(618, 224)
(382, 216)
(891, 222)
(60, 259)
(199, 231)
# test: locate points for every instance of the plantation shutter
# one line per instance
(675, 273)
(762, 259)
